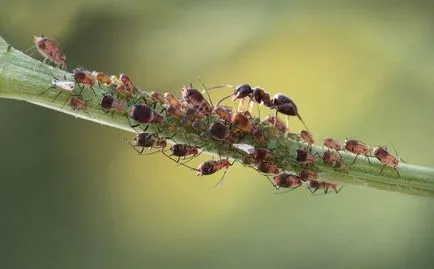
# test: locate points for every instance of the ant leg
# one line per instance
(357, 155)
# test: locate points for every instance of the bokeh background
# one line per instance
(74, 195)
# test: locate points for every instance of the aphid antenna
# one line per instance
(220, 180)
(205, 89)
(397, 154)
(180, 163)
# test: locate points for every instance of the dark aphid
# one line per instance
(77, 103)
(286, 106)
(308, 175)
(175, 112)
(212, 166)
(147, 140)
(144, 114)
(220, 131)
(332, 144)
(331, 157)
(277, 123)
(315, 185)
(304, 157)
(50, 51)
(183, 150)
(357, 147)
(267, 168)
(108, 102)
(196, 100)
(386, 159)
(261, 154)
(102, 78)
(284, 180)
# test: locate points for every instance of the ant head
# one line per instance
(242, 91)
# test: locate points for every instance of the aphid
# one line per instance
(224, 113)
(332, 144)
(267, 168)
(157, 97)
(330, 157)
(126, 81)
(386, 159)
(258, 136)
(172, 100)
(314, 185)
(196, 100)
(357, 148)
(83, 78)
(308, 175)
(108, 102)
(277, 123)
(63, 86)
(284, 180)
(147, 140)
(285, 106)
(220, 131)
(77, 103)
(183, 150)
(241, 122)
(102, 78)
(174, 112)
(304, 157)
(123, 91)
(259, 154)
(142, 114)
(212, 166)
(307, 137)
(50, 51)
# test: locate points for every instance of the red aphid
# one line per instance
(332, 144)
(267, 168)
(50, 50)
(196, 100)
(386, 159)
(315, 185)
(279, 125)
(210, 167)
(356, 147)
(284, 180)
(77, 103)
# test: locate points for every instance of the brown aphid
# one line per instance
(77, 103)
(123, 91)
(314, 185)
(277, 123)
(330, 157)
(267, 168)
(157, 97)
(212, 166)
(241, 122)
(224, 113)
(284, 180)
(307, 137)
(386, 159)
(304, 157)
(193, 114)
(357, 147)
(50, 51)
(332, 144)
(126, 81)
(183, 150)
(174, 112)
(102, 78)
(142, 114)
(83, 77)
(108, 102)
(220, 131)
(196, 100)
(258, 136)
(172, 100)
(306, 174)
(261, 154)
(147, 140)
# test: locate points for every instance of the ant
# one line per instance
(286, 106)
(50, 50)
(386, 159)
(357, 147)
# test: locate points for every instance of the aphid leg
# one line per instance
(51, 87)
(134, 147)
(9, 48)
(92, 90)
(131, 124)
(313, 190)
(396, 170)
(357, 155)
(207, 93)
(338, 190)
(367, 157)
(272, 183)
(57, 95)
(220, 180)
(289, 190)
(170, 157)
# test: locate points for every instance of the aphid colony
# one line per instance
(215, 126)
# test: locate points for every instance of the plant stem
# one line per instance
(24, 78)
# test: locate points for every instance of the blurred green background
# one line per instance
(74, 195)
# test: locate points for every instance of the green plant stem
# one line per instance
(24, 78)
